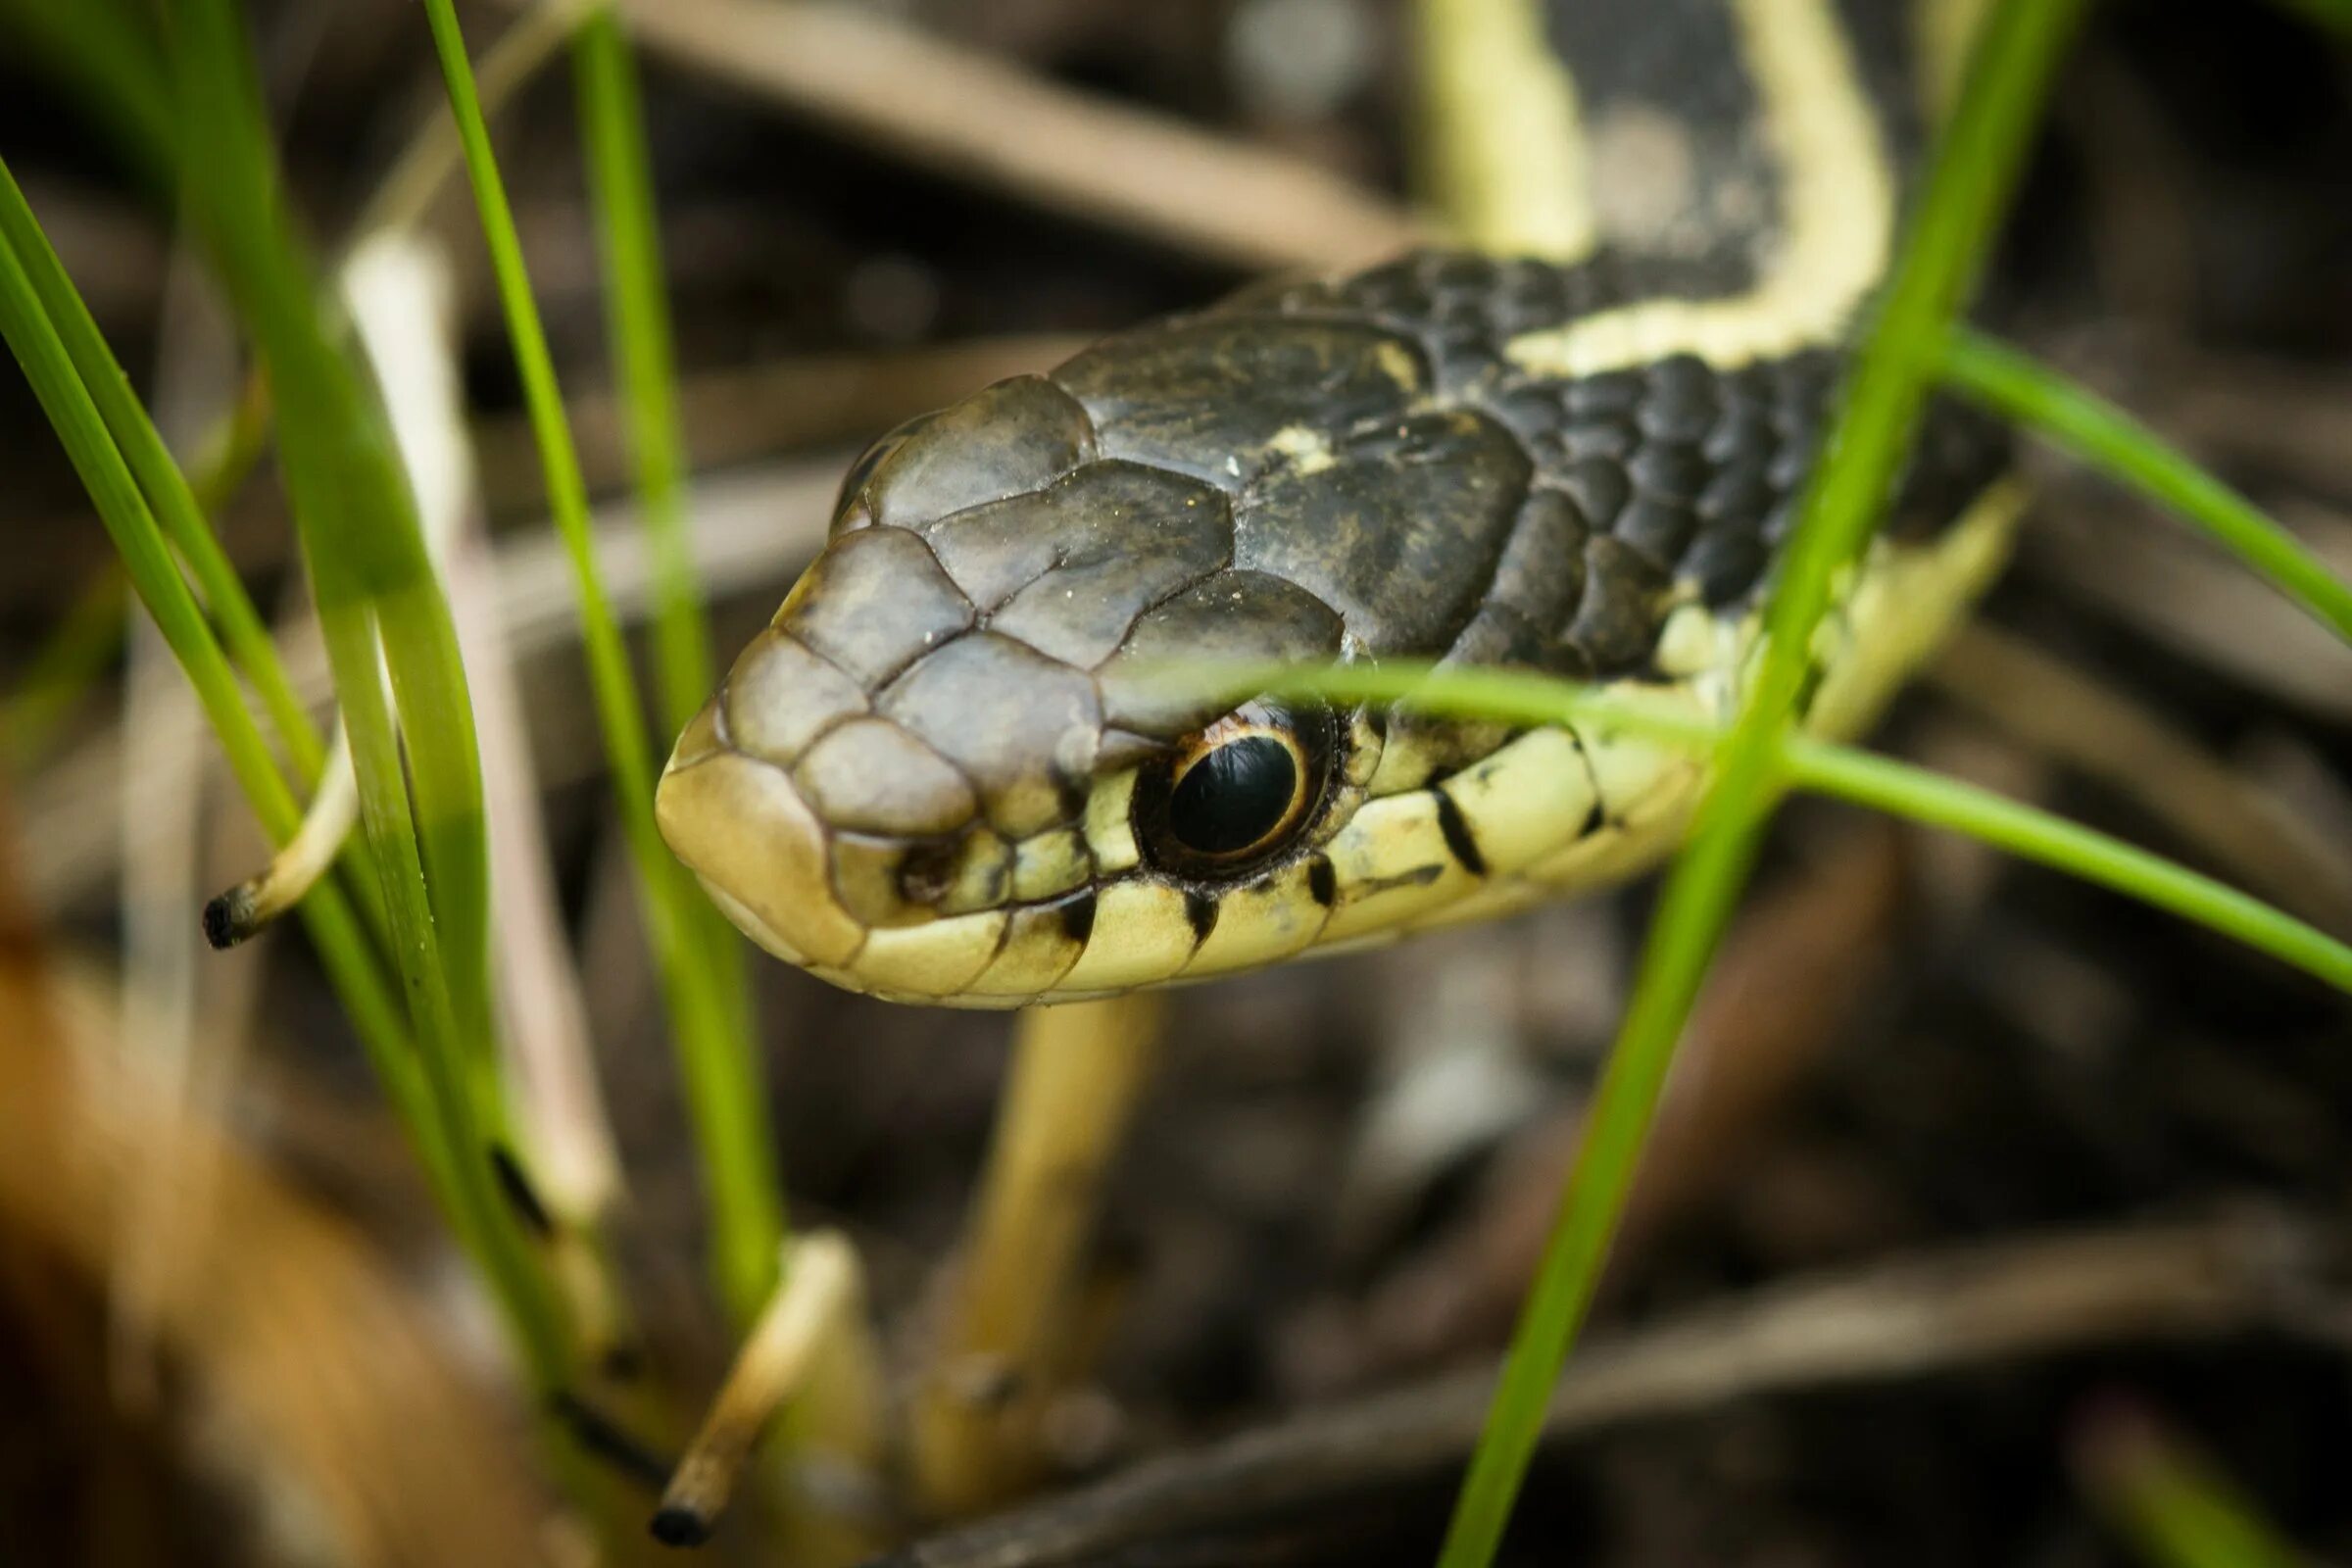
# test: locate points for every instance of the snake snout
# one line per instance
(742, 827)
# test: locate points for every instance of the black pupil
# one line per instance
(1234, 797)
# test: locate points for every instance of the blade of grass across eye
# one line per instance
(1967, 188)
(382, 611)
(2014, 385)
(146, 556)
(1843, 773)
(716, 1055)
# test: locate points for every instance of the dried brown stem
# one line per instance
(2097, 730)
(1929, 1313)
(975, 117)
(1016, 1295)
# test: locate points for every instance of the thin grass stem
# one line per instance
(381, 610)
(2012, 383)
(1843, 773)
(620, 182)
(638, 327)
(1967, 188)
(147, 560)
(168, 494)
(715, 1053)
(2173, 1503)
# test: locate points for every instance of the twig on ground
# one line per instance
(747, 413)
(2183, 594)
(1915, 1316)
(776, 1363)
(2072, 717)
(1792, 970)
(978, 119)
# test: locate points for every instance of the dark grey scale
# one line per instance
(1668, 471)
(1000, 442)
(1541, 576)
(1608, 395)
(1959, 450)
(1400, 532)
(873, 602)
(1743, 431)
(1792, 459)
(1611, 438)
(1532, 412)
(1726, 562)
(1798, 390)
(1682, 401)
(1499, 635)
(1103, 514)
(1206, 395)
(1624, 603)
(1736, 491)
(1246, 617)
(1598, 487)
(1658, 529)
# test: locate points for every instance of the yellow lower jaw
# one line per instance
(747, 835)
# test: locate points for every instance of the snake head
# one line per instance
(943, 771)
(952, 768)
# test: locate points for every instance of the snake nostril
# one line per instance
(927, 873)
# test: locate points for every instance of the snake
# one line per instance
(945, 772)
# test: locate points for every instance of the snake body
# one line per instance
(944, 772)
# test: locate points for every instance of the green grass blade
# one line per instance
(148, 562)
(95, 48)
(2014, 385)
(167, 489)
(377, 596)
(638, 327)
(1966, 191)
(620, 182)
(1925, 796)
(2333, 14)
(2170, 1501)
(1843, 773)
(716, 1057)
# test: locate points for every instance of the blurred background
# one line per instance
(2065, 1180)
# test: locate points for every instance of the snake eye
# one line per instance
(1235, 794)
